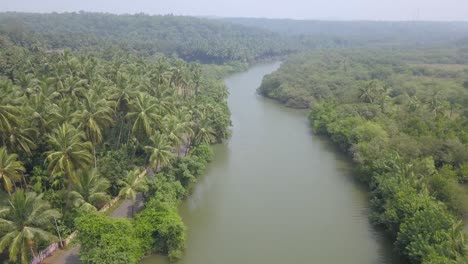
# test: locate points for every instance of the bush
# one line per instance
(203, 151)
(113, 166)
(107, 240)
(444, 187)
(165, 189)
(427, 233)
(161, 228)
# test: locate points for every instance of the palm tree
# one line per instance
(96, 115)
(10, 117)
(143, 113)
(436, 104)
(162, 73)
(73, 87)
(89, 192)
(39, 108)
(175, 130)
(27, 220)
(10, 169)
(160, 150)
(122, 92)
(197, 77)
(70, 151)
(205, 134)
(61, 112)
(457, 237)
(178, 77)
(21, 139)
(371, 92)
(132, 185)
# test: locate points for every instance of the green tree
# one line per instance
(428, 232)
(90, 191)
(10, 116)
(132, 185)
(70, 152)
(205, 135)
(107, 240)
(162, 229)
(95, 116)
(143, 113)
(160, 151)
(28, 220)
(11, 169)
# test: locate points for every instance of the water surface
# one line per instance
(277, 194)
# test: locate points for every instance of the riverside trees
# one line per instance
(71, 124)
(405, 125)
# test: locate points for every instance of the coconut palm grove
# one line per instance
(98, 110)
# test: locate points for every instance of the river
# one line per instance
(277, 194)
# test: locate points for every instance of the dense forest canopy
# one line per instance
(78, 129)
(190, 38)
(363, 31)
(306, 78)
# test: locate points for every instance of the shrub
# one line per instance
(106, 240)
(161, 228)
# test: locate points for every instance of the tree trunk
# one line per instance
(25, 183)
(32, 252)
(94, 154)
(120, 134)
(189, 143)
(129, 134)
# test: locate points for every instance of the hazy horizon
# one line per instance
(382, 10)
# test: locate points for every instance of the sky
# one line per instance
(439, 10)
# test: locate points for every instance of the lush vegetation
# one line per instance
(193, 39)
(406, 127)
(340, 73)
(158, 228)
(339, 33)
(99, 106)
(78, 129)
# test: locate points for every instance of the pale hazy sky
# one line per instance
(298, 9)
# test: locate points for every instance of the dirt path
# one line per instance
(124, 210)
(71, 255)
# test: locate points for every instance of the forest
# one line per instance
(362, 31)
(403, 119)
(190, 38)
(78, 130)
(97, 108)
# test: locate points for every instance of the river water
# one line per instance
(277, 194)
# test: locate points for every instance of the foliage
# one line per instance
(405, 127)
(113, 166)
(107, 240)
(89, 193)
(134, 183)
(64, 112)
(162, 228)
(25, 222)
(10, 169)
(193, 39)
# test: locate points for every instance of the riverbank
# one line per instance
(124, 209)
(412, 154)
(254, 192)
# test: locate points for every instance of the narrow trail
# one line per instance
(71, 255)
(124, 210)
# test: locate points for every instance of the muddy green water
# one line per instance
(277, 194)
